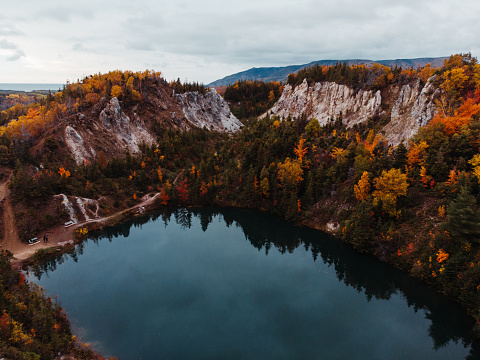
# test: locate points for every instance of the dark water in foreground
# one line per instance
(240, 284)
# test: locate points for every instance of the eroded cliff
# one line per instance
(112, 128)
(408, 107)
(208, 111)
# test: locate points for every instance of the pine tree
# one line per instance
(463, 222)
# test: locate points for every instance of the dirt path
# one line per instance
(59, 234)
(10, 239)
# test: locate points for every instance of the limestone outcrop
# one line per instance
(413, 109)
(327, 101)
(129, 133)
(208, 111)
(110, 128)
(79, 150)
(413, 106)
(114, 131)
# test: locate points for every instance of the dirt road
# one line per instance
(56, 235)
(10, 240)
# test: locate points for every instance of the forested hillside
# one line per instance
(252, 98)
(274, 74)
(32, 325)
(414, 205)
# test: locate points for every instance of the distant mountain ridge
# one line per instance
(281, 73)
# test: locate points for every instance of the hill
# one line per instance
(111, 113)
(281, 73)
(332, 168)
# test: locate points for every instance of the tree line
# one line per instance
(414, 205)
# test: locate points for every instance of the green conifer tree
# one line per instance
(463, 222)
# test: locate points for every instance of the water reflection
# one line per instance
(363, 273)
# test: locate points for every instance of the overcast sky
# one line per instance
(54, 41)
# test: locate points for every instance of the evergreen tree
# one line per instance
(463, 218)
(400, 157)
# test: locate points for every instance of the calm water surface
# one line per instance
(239, 284)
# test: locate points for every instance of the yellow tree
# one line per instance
(265, 187)
(363, 187)
(338, 152)
(300, 150)
(290, 172)
(130, 83)
(426, 72)
(454, 81)
(271, 96)
(388, 187)
(417, 154)
(313, 128)
(475, 162)
(116, 91)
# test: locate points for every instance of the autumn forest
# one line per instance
(415, 205)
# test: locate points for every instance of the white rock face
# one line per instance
(413, 108)
(80, 209)
(132, 134)
(327, 100)
(113, 115)
(77, 146)
(114, 131)
(210, 111)
(114, 124)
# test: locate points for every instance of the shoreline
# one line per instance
(65, 239)
(61, 237)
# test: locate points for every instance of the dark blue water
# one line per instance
(239, 284)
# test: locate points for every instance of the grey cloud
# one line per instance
(4, 44)
(139, 45)
(79, 47)
(349, 29)
(65, 14)
(17, 53)
(235, 35)
(16, 56)
(9, 31)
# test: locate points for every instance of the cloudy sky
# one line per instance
(54, 41)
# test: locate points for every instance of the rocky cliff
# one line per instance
(414, 107)
(327, 100)
(117, 129)
(111, 127)
(409, 106)
(208, 111)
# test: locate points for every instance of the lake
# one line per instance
(241, 284)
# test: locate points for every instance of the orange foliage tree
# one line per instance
(417, 154)
(300, 150)
(182, 190)
(164, 197)
(461, 116)
(363, 188)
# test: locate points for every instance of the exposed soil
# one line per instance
(10, 239)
